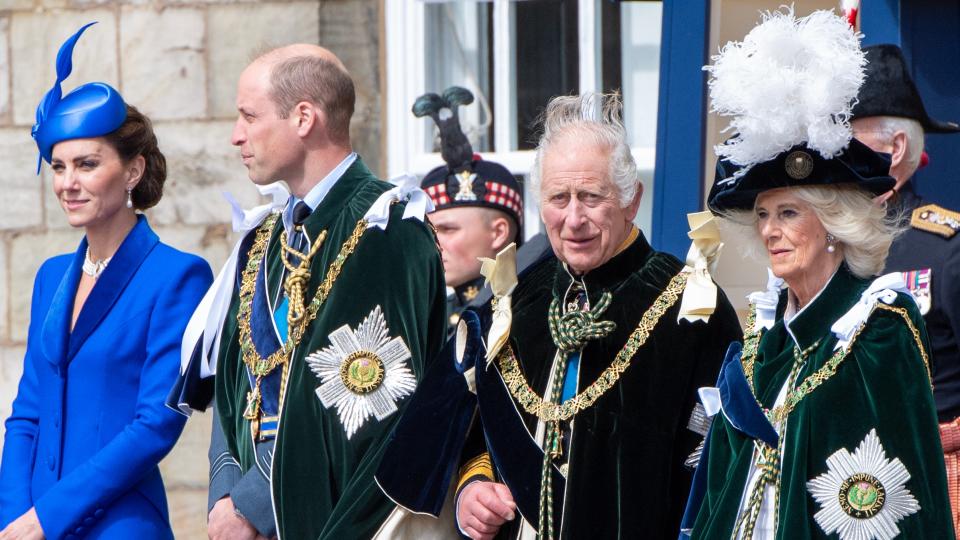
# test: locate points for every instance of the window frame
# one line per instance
(404, 30)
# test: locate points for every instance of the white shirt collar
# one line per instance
(319, 192)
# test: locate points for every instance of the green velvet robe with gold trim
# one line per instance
(322, 482)
(882, 384)
(626, 474)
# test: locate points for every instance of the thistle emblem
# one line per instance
(863, 495)
(363, 372)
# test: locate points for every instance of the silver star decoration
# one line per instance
(863, 495)
(363, 372)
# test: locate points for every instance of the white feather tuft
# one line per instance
(791, 80)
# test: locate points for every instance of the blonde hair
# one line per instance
(863, 229)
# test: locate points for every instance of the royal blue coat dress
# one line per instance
(89, 424)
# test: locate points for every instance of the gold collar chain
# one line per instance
(813, 381)
(547, 411)
(259, 366)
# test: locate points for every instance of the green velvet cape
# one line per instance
(626, 475)
(882, 384)
(323, 485)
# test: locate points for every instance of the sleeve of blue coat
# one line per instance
(21, 429)
(122, 462)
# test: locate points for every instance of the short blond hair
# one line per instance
(863, 229)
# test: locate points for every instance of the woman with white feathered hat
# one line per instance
(827, 426)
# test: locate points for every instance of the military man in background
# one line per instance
(890, 118)
(478, 203)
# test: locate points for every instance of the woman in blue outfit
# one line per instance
(89, 424)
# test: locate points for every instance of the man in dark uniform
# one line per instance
(478, 203)
(890, 118)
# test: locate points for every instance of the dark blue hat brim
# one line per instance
(857, 165)
(91, 110)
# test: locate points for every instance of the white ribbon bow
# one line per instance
(207, 319)
(501, 274)
(883, 289)
(765, 303)
(408, 191)
(700, 293)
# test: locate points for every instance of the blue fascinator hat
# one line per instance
(91, 110)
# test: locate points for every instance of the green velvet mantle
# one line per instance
(882, 384)
(626, 476)
(323, 485)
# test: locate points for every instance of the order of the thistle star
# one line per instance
(362, 372)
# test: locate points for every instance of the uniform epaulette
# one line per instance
(936, 219)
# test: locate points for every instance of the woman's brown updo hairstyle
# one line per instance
(134, 138)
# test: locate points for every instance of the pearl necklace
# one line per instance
(94, 268)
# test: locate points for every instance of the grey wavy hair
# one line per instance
(890, 125)
(594, 117)
(863, 229)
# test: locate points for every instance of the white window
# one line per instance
(514, 55)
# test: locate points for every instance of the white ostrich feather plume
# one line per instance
(791, 80)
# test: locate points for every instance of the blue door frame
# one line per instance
(681, 122)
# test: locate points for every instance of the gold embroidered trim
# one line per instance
(259, 366)
(916, 335)
(935, 219)
(546, 411)
(829, 369)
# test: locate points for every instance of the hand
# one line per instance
(25, 527)
(484, 507)
(223, 523)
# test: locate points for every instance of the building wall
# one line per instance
(178, 61)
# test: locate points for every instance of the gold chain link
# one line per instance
(547, 411)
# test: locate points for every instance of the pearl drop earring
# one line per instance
(831, 240)
(129, 197)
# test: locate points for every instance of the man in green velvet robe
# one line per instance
(600, 367)
(336, 303)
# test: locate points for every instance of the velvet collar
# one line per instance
(337, 199)
(610, 273)
(59, 344)
(813, 322)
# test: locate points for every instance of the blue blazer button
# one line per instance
(99, 513)
(89, 521)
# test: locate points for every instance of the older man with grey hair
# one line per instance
(585, 413)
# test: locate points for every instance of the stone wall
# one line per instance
(178, 61)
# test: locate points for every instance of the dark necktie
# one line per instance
(300, 214)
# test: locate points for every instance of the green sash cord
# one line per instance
(570, 332)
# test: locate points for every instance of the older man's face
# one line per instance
(580, 204)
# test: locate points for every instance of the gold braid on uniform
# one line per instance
(302, 315)
(479, 466)
(570, 332)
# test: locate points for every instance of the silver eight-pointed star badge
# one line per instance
(363, 372)
(863, 495)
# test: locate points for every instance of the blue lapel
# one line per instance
(56, 325)
(124, 264)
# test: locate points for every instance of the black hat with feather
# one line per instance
(466, 179)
